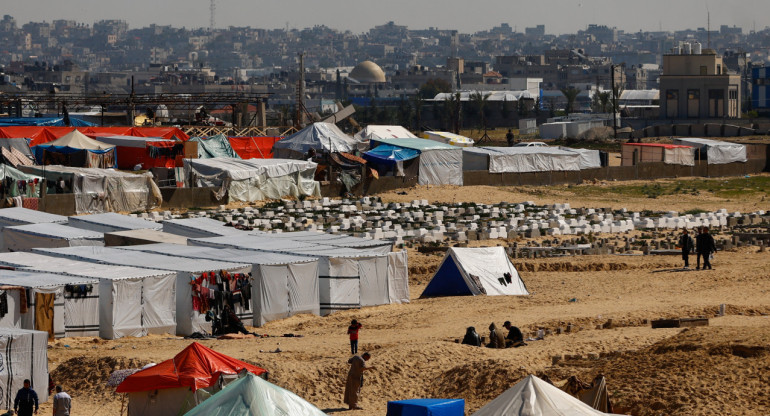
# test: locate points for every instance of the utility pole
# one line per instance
(300, 119)
(614, 102)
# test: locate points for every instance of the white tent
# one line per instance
(439, 163)
(348, 278)
(587, 158)
(284, 285)
(254, 179)
(132, 301)
(717, 152)
(383, 132)
(27, 237)
(188, 320)
(23, 216)
(110, 222)
(475, 271)
(25, 356)
(323, 137)
(200, 227)
(449, 138)
(520, 159)
(253, 396)
(104, 190)
(534, 397)
(78, 140)
(63, 306)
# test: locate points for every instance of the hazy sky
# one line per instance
(468, 16)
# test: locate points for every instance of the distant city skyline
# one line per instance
(558, 16)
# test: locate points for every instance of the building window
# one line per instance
(672, 103)
(716, 103)
(693, 103)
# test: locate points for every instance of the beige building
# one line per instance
(698, 86)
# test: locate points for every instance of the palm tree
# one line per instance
(570, 94)
(480, 102)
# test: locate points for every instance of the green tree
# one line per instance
(434, 86)
(417, 103)
(570, 94)
(480, 106)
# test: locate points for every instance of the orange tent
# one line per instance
(43, 135)
(253, 147)
(195, 367)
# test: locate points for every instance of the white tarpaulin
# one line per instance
(523, 159)
(718, 152)
(449, 138)
(104, 190)
(283, 285)
(335, 240)
(132, 301)
(27, 237)
(383, 132)
(254, 179)
(534, 397)
(188, 320)
(23, 216)
(323, 137)
(348, 278)
(110, 222)
(475, 271)
(588, 158)
(200, 227)
(12, 319)
(75, 311)
(24, 356)
(439, 163)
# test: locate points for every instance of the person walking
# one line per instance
(705, 246)
(25, 403)
(62, 403)
(687, 246)
(355, 379)
(509, 138)
(353, 329)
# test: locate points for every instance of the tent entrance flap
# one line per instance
(450, 282)
(44, 313)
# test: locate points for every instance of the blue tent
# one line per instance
(385, 153)
(427, 407)
(43, 122)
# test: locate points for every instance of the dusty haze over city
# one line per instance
(559, 16)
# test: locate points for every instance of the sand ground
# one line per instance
(720, 369)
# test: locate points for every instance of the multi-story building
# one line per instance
(698, 86)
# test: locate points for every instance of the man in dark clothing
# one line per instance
(705, 245)
(231, 324)
(509, 137)
(687, 245)
(25, 403)
(472, 337)
(514, 338)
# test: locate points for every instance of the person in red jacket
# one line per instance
(353, 332)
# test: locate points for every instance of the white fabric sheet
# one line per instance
(588, 158)
(718, 152)
(27, 237)
(441, 167)
(25, 356)
(398, 277)
(110, 222)
(527, 159)
(489, 264)
(199, 228)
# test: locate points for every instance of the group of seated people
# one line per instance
(497, 339)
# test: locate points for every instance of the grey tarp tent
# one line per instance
(215, 147)
(110, 222)
(27, 237)
(188, 320)
(104, 190)
(284, 285)
(254, 179)
(717, 152)
(335, 240)
(133, 302)
(323, 137)
(199, 227)
(438, 163)
(520, 159)
(25, 356)
(62, 306)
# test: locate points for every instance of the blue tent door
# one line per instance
(448, 281)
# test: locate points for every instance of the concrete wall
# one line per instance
(190, 197)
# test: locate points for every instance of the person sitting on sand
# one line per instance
(514, 338)
(231, 324)
(496, 337)
(472, 337)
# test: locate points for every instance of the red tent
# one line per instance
(43, 135)
(253, 147)
(195, 367)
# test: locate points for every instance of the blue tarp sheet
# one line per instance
(447, 282)
(427, 407)
(390, 153)
(43, 122)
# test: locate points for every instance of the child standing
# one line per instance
(353, 332)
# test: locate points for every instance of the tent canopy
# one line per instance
(521, 159)
(199, 227)
(718, 152)
(323, 137)
(534, 397)
(439, 163)
(195, 367)
(22, 216)
(253, 147)
(110, 221)
(132, 141)
(449, 138)
(253, 396)
(475, 271)
(587, 158)
(215, 147)
(78, 140)
(389, 153)
(383, 132)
